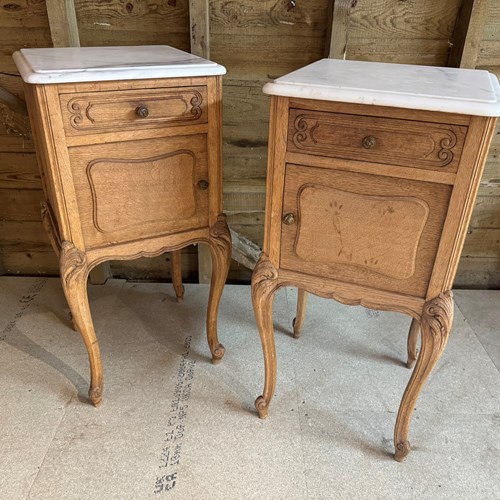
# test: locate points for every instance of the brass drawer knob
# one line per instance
(142, 111)
(289, 219)
(369, 142)
(203, 185)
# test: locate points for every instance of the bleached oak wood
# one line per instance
(386, 233)
(176, 267)
(300, 316)
(437, 318)
(135, 195)
(413, 337)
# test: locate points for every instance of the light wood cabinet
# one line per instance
(131, 166)
(369, 203)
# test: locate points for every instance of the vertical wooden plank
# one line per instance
(468, 33)
(199, 12)
(62, 22)
(338, 32)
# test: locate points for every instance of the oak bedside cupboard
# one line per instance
(373, 171)
(129, 144)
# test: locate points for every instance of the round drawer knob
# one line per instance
(203, 185)
(369, 142)
(142, 111)
(289, 219)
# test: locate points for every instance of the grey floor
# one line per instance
(172, 425)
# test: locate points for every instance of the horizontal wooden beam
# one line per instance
(13, 102)
(245, 252)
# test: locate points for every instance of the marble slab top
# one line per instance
(90, 64)
(464, 91)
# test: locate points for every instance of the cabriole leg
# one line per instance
(437, 319)
(412, 342)
(264, 286)
(176, 272)
(74, 274)
(220, 249)
(301, 312)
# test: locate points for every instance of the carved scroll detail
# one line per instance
(436, 144)
(437, 318)
(80, 109)
(76, 113)
(196, 102)
(220, 234)
(264, 278)
(73, 262)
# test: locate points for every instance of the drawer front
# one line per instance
(371, 230)
(96, 112)
(381, 140)
(138, 189)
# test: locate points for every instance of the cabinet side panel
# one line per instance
(469, 173)
(41, 150)
(275, 182)
(214, 93)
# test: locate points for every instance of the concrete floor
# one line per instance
(172, 425)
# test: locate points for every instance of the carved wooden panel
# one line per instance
(354, 229)
(375, 139)
(138, 189)
(366, 229)
(107, 111)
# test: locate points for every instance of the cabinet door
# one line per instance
(382, 232)
(137, 189)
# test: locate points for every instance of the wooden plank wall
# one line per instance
(256, 41)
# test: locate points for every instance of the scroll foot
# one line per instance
(95, 395)
(218, 354)
(262, 407)
(402, 450)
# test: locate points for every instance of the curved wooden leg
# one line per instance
(412, 343)
(220, 249)
(176, 271)
(264, 286)
(437, 318)
(301, 312)
(74, 274)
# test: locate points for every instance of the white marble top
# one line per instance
(90, 64)
(453, 90)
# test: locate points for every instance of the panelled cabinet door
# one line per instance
(140, 188)
(371, 230)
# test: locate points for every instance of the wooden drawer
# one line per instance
(381, 140)
(109, 111)
(139, 189)
(371, 230)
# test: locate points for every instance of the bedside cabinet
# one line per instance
(129, 144)
(372, 175)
